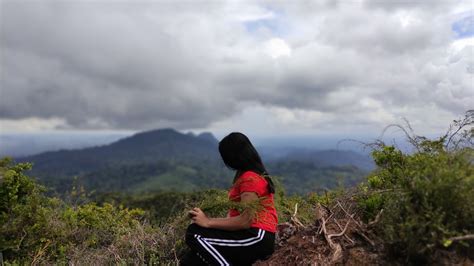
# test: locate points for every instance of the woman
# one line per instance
(242, 237)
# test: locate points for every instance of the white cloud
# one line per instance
(32, 124)
(459, 44)
(277, 47)
(334, 67)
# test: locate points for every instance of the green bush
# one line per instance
(427, 197)
(41, 230)
(22, 211)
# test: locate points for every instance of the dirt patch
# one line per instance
(307, 247)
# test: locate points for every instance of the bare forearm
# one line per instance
(239, 222)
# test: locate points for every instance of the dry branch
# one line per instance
(342, 232)
(347, 213)
(460, 238)
(346, 236)
(295, 219)
(376, 220)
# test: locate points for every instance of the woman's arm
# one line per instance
(239, 222)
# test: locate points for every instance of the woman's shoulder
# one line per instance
(249, 173)
(250, 181)
(250, 177)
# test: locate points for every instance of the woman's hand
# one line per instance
(199, 217)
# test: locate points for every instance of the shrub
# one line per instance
(41, 230)
(427, 197)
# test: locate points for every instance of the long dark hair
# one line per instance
(239, 154)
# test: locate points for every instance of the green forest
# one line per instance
(416, 207)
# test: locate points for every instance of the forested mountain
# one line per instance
(165, 159)
(142, 147)
(330, 158)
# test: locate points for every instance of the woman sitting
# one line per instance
(242, 237)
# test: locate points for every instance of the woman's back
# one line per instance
(249, 181)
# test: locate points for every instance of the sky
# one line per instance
(267, 68)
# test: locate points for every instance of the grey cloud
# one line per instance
(87, 63)
(393, 5)
(132, 65)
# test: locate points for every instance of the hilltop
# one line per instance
(158, 154)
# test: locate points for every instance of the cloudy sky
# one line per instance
(262, 67)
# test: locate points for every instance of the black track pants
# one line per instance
(220, 247)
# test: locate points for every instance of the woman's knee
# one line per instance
(191, 231)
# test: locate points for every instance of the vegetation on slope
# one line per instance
(423, 201)
(36, 228)
(416, 208)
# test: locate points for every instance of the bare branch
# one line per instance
(342, 232)
(347, 237)
(352, 218)
(366, 238)
(460, 238)
(295, 219)
(459, 125)
(376, 220)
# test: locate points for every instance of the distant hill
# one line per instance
(147, 154)
(166, 159)
(332, 158)
(307, 170)
(30, 143)
(142, 147)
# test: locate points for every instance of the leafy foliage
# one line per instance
(426, 196)
(37, 229)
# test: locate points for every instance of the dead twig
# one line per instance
(347, 213)
(366, 238)
(376, 220)
(21, 240)
(295, 219)
(460, 238)
(337, 250)
(346, 236)
(342, 232)
(40, 252)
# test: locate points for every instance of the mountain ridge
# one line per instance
(165, 159)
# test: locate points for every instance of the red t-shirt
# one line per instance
(249, 181)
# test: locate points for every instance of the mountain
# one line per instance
(137, 158)
(142, 147)
(207, 136)
(165, 159)
(331, 158)
(26, 144)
